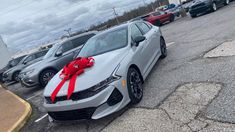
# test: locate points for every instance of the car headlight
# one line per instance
(29, 72)
(103, 84)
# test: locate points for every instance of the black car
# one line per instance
(202, 6)
(10, 64)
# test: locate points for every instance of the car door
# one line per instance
(139, 51)
(164, 16)
(149, 45)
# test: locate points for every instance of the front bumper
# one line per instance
(200, 8)
(109, 100)
(6, 77)
(29, 81)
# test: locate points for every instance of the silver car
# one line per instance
(12, 74)
(124, 56)
(59, 55)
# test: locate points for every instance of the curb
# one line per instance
(28, 110)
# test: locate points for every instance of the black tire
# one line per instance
(45, 76)
(193, 15)
(15, 76)
(213, 7)
(158, 23)
(172, 18)
(163, 48)
(134, 85)
(226, 2)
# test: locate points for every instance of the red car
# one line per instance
(159, 17)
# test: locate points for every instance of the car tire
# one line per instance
(163, 48)
(15, 76)
(134, 85)
(226, 2)
(213, 7)
(158, 23)
(45, 76)
(172, 18)
(193, 15)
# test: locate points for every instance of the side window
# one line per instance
(143, 27)
(30, 58)
(135, 31)
(149, 25)
(156, 14)
(40, 54)
(67, 46)
(82, 40)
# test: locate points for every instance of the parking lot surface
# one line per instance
(188, 41)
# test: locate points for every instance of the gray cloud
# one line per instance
(35, 22)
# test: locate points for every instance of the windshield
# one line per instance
(15, 61)
(105, 42)
(51, 52)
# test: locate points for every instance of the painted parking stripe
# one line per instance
(39, 119)
(34, 96)
(170, 44)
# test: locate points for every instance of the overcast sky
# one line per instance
(27, 23)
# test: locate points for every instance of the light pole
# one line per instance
(68, 31)
(116, 15)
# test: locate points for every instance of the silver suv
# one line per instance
(12, 74)
(56, 58)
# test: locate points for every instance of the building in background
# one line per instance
(5, 55)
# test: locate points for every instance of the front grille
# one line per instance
(73, 114)
(198, 5)
(75, 96)
(115, 97)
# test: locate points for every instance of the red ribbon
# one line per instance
(70, 72)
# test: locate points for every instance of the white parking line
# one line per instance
(39, 119)
(170, 44)
(34, 96)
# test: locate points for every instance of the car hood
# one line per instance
(104, 65)
(16, 68)
(35, 65)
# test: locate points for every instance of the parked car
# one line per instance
(10, 64)
(174, 10)
(124, 56)
(12, 74)
(159, 17)
(202, 6)
(57, 57)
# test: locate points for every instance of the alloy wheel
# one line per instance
(163, 48)
(16, 77)
(47, 77)
(136, 84)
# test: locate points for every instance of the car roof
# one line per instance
(74, 37)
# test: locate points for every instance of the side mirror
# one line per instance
(59, 52)
(25, 62)
(139, 39)
(165, 12)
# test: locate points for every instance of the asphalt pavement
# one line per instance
(188, 41)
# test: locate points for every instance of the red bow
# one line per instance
(70, 72)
